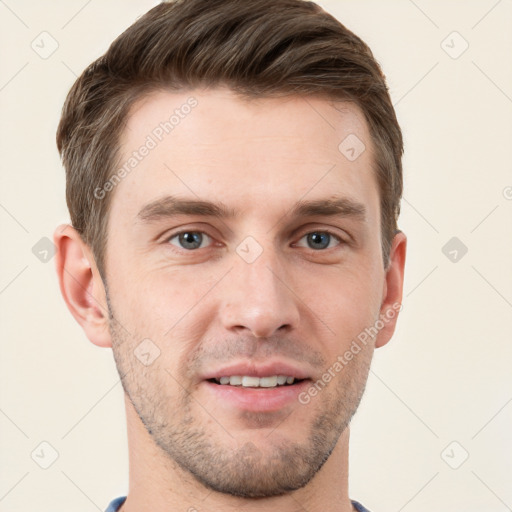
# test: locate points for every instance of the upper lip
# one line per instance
(253, 369)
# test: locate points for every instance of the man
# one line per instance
(234, 179)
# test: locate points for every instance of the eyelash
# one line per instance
(340, 240)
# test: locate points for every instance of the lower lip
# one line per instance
(257, 399)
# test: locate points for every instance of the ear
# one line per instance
(392, 289)
(81, 284)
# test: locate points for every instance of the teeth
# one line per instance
(250, 382)
(256, 382)
(268, 382)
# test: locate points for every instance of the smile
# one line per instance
(247, 381)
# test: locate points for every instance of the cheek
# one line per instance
(162, 302)
(344, 301)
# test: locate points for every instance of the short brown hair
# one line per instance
(258, 48)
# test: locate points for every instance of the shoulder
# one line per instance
(115, 504)
(359, 507)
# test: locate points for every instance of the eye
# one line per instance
(190, 240)
(318, 240)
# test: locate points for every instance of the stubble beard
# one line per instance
(248, 470)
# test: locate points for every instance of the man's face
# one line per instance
(277, 287)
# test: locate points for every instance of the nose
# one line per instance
(259, 298)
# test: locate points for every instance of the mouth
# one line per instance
(252, 396)
(248, 381)
(247, 386)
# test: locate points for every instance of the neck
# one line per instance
(158, 484)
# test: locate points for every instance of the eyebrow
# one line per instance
(171, 206)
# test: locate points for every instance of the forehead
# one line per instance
(261, 154)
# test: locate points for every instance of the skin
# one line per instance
(206, 307)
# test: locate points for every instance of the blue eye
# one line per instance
(193, 240)
(189, 240)
(319, 240)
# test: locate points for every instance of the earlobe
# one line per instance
(393, 289)
(81, 285)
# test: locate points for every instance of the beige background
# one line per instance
(441, 390)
